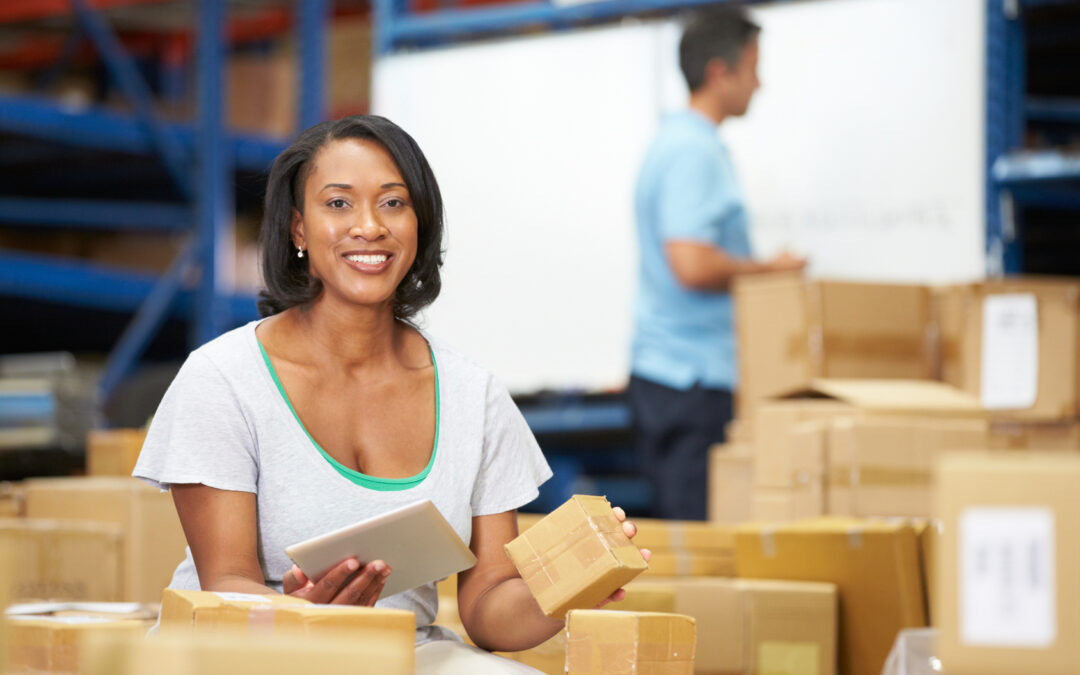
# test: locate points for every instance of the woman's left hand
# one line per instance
(630, 529)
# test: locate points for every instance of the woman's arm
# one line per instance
(221, 529)
(496, 607)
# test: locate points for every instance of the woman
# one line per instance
(335, 407)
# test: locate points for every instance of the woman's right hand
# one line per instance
(342, 585)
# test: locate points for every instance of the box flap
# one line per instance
(888, 396)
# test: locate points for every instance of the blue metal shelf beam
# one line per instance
(570, 418)
(95, 213)
(110, 131)
(1053, 110)
(1036, 167)
(49, 279)
(397, 28)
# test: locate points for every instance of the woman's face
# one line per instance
(358, 228)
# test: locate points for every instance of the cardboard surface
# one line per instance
(1028, 435)
(54, 644)
(791, 330)
(395, 627)
(738, 619)
(575, 556)
(960, 309)
(683, 563)
(603, 642)
(153, 539)
(731, 483)
(874, 564)
(113, 452)
(183, 610)
(687, 535)
(63, 560)
(12, 500)
(884, 466)
(1008, 597)
(233, 653)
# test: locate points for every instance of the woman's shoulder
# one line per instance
(229, 353)
(451, 362)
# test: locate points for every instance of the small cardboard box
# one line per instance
(600, 642)
(874, 564)
(53, 644)
(63, 560)
(791, 330)
(929, 532)
(755, 626)
(1008, 597)
(153, 539)
(113, 452)
(731, 483)
(236, 652)
(182, 610)
(828, 399)
(1040, 354)
(575, 556)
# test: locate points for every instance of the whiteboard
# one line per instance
(863, 150)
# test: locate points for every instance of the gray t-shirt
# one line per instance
(224, 423)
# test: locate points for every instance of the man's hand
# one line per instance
(787, 262)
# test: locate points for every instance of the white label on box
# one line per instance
(1007, 577)
(1010, 351)
(242, 597)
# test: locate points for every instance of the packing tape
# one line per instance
(854, 538)
(677, 538)
(684, 564)
(768, 542)
(854, 476)
(587, 543)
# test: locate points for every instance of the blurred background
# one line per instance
(914, 142)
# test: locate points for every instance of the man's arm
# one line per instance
(702, 267)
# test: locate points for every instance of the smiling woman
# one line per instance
(335, 407)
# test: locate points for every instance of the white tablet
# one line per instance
(415, 540)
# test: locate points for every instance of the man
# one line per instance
(692, 233)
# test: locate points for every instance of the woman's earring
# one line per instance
(299, 252)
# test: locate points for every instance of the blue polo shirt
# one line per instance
(686, 191)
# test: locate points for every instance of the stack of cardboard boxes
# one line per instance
(841, 427)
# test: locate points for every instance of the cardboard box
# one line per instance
(576, 556)
(182, 610)
(113, 452)
(349, 66)
(673, 563)
(53, 644)
(1053, 378)
(731, 483)
(752, 626)
(1008, 597)
(63, 560)
(599, 642)
(1019, 435)
(791, 331)
(828, 399)
(153, 539)
(684, 535)
(262, 93)
(884, 467)
(874, 564)
(233, 653)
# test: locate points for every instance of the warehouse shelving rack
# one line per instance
(199, 157)
(1018, 178)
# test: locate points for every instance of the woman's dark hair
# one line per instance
(287, 278)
